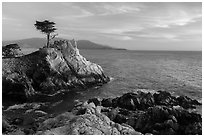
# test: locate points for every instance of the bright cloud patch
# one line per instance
(109, 23)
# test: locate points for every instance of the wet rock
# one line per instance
(80, 109)
(54, 131)
(115, 102)
(140, 113)
(187, 102)
(24, 118)
(155, 132)
(17, 121)
(131, 121)
(148, 134)
(90, 108)
(113, 113)
(29, 131)
(169, 123)
(120, 119)
(40, 113)
(93, 122)
(57, 121)
(128, 130)
(48, 124)
(25, 107)
(173, 118)
(126, 101)
(184, 117)
(158, 126)
(96, 125)
(107, 102)
(5, 125)
(16, 132)
(169, 131)
(158, 118)
(96, 101)
(90, 124)
(134, 101)
(194, 129)
(28, 120)
(164, 98)
(25, 112)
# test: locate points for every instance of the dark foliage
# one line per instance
(47, 27)
(11, 50)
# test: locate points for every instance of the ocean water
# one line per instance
(179, 72)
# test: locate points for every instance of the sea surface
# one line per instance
(179, 72)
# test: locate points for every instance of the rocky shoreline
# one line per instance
(36, 83)
(136, 113)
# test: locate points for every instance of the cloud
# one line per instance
(120, 9)
(6, 18)
(120, 31)
(174, 16)
(105, 8)
(83, 14)
(179, 20)
(126, 38)
(120, 21)
(160, 36)
(118, 37)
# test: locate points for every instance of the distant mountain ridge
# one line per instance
(40, 42)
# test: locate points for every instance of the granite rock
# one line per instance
(49, 70)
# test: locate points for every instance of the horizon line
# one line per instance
(114, 48)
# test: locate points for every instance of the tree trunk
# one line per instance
(48, 40)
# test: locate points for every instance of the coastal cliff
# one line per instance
(49, 70)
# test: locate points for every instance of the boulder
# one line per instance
(131, 101)
(91, 117)
(107, 102)
(92, 122)
(161, 118)
(155, 113)
(5, 124)
(187, 102)
(164, 98)
(96, 101)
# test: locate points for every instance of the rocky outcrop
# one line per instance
(155, 113)
(142, 101)
(48, 70)
(45, 73)
(84, 119)
(11, 50)
(90, 121)
(108, 116)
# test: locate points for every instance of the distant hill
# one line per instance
(39, 42)
(86, 44)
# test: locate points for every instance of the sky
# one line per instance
(130, 25)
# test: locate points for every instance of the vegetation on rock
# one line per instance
(48, 70)
(11, 50)
(47, 27)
